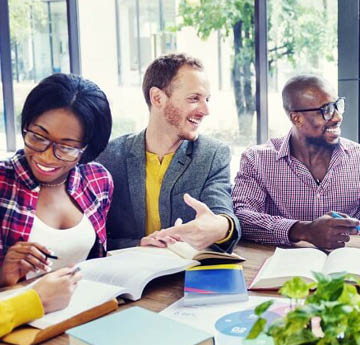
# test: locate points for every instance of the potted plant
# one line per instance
(329, 316)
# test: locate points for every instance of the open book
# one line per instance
(301, 262)
(125, 273)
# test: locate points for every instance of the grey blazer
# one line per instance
(200, 168)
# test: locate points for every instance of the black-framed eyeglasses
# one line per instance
(39, 143)
(327, 110)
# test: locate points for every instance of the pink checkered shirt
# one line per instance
(90, 185)
(273, 190)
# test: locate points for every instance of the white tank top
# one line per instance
(69, 245)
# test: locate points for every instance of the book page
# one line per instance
(183, 249)
(87, 295)
(343, 259)
(133, 269)
(294, 262)
(145, 250)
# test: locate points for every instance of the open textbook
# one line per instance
(301, 262)
(125, 273)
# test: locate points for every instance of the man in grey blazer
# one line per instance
(168, 177)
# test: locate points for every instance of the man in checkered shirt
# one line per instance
(286, 189)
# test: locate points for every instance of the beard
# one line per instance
(175, 117)
(321, 142)
(172, 115)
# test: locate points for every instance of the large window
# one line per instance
(119, 38)
(116, 57)
(39, 44)
(133, 33)
(222, 35)
(302, 38)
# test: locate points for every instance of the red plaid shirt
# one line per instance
(273, 190)
(90, 185)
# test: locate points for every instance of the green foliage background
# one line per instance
(298, 31)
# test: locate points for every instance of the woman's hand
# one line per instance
(56, 288)
(22, 258)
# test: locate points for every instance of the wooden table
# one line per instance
(163, 291)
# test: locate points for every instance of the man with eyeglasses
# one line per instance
(287, 189)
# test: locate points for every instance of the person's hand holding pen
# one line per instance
(22, 258)
(339, 215)
(55, 289)
(329, 231)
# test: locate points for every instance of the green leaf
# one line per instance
(350, 295)
(295, 288)
(305, 336)
(261, 308)
(257, 328)
(329, 288)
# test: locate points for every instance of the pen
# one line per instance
(337, 215)
(76, 270)
(50, 256)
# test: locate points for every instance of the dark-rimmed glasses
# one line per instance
(327, 110)
(39, 143)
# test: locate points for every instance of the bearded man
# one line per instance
(288, 189)
(170, 182)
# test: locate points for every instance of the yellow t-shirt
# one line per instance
(19, 309)
(155, 172)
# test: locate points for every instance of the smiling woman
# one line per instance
(49, 202)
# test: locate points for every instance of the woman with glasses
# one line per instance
(53, 202)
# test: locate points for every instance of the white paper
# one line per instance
(133, 269)
(212, 318)
(343, 259)
(294, 262)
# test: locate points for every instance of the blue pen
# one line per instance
(337, 215)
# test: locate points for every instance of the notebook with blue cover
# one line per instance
(215, 284)
(137, 326)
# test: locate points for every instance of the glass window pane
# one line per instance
(229, 58)
(39, 45)
(109, 58)
(302, 38)
(116, 57)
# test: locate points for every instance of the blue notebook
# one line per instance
(137, 326)
(215, 284)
